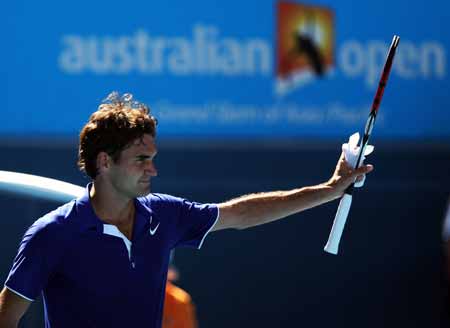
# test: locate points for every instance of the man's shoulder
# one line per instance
(48, 236)
(56, 220)
(158, 197)
(161, 204)
(156, 200)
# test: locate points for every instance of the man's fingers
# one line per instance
(363, 170)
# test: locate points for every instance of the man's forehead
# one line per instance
(145, 142)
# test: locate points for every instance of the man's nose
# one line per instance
(151, 169)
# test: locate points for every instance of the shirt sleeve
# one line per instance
(190, 221)
(35, 261)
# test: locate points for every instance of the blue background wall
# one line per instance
(60, 61)
(225, 132)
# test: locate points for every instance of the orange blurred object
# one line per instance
(179, 311)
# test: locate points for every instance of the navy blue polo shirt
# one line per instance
(91, 275)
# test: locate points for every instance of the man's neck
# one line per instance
(111, 207)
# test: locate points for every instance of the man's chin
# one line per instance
(144, 190)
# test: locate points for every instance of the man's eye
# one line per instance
(144, 159)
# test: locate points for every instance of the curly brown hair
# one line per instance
(118, 122)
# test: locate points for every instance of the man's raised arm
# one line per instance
(255, 209)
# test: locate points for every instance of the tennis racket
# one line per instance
(332, 246)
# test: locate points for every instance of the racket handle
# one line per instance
(332, 245)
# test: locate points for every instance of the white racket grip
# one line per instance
(334, 238)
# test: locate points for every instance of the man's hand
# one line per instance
(344, 175)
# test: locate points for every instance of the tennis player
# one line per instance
(101, 260)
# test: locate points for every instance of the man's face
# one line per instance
(130, 175)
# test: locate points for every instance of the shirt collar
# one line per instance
(86, 212)
(91, 221)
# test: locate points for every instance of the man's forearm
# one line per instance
(255, 209)
(12, 308)
(7, 323)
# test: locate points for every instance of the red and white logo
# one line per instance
(305, 45)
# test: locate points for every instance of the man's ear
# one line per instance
(103, 161)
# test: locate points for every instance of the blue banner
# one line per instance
(234, 69)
